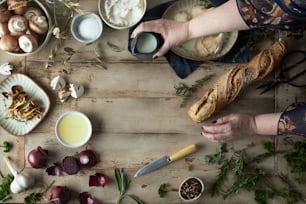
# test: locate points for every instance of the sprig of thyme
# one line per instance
(186, 91)
(61, 34)
(217, 157)
(114, 47)
(256, 180)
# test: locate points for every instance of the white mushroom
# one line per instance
(58, 83)
(17, 25)
(27, 43)
(5, 69)
(39, 24)
(76, 90)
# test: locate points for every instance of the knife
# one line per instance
(166, 160)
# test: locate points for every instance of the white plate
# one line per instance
(12, 125)
(187, 49)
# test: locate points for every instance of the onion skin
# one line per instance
(60, 195)
(37, 158)
(87, 159)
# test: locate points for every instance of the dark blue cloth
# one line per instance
(184, 67)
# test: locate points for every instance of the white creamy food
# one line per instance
(124, 12)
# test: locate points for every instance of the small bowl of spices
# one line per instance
(191, 189)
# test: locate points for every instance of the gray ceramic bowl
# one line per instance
(145, 45)
(43, 39)
(87, 27)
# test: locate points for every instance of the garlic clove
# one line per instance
(63, 94)
(58, 83)
(5, 69)
(76, 90)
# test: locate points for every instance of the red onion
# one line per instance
(60, 195)
(87, 158)
(98, 180)
(86, 198)
(38, 157)
(70, 165)
(55, 170)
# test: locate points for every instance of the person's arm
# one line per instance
(238, 125)
(266, 124)
(224, 18)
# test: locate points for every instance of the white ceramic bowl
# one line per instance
(73, 129)
(186, 184)
(43, 39)
(113, 20)
(87, 27)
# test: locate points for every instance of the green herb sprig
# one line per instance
(163, 189)
(186, 91)
(6, 146)
(123, 184)
(36, 197)
(217, 157)
(5, 187)
(252, 178)
(114, 47)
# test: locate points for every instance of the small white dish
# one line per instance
(189, 184)
(86, 28)
(73, 129)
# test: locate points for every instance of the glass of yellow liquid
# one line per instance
(73, 129)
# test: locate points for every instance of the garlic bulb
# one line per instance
(21, 181)
(5, 69)
(76, 90)
(58, 83)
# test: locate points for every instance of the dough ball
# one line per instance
(182, 16)
(197, 10)
(209, 45)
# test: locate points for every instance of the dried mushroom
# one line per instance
(21, 108)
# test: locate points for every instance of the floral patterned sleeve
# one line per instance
(293, 121)
(287, 15)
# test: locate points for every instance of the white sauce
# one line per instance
(88, 28)
(124, 12)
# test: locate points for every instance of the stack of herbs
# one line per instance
(247, 176)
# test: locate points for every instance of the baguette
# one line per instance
(230, 84)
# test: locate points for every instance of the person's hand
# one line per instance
(173, 32)
(228, 127)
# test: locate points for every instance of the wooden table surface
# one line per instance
(136, 118)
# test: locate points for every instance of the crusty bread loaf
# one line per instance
(228, 86)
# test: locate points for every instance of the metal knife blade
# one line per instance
(166, 160)
(153, 166)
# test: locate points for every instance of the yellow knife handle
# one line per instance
(184, 152)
